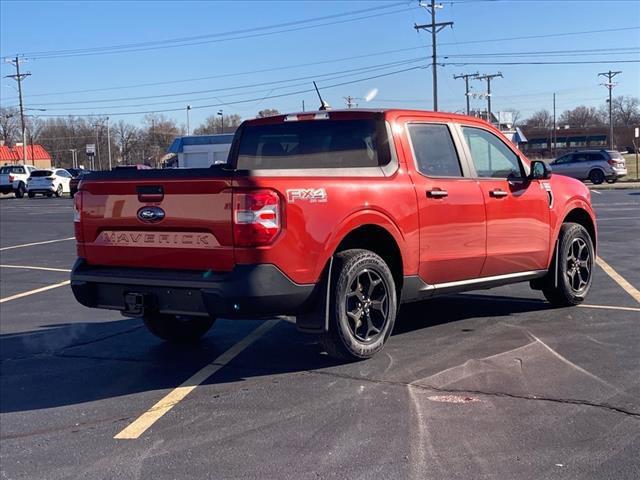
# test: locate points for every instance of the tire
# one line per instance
(178, 328)
(576, 260)
(49, 194)
(59, 191)
(31, 194)
(19, 193)
(356, 332)
(596, 176)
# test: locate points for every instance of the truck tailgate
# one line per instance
(157, 222)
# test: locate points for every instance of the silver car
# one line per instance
(594, 165)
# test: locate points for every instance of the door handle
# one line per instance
(497, 193)
(437, 193)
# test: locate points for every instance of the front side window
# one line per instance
(491, 157)
(434, 150)
(564, 159)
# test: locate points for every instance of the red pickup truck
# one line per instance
(335, 218)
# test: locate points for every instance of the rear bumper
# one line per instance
(6, 188)
(248, 291)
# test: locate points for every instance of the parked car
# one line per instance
(75, 180)
(335, 218)
(594, 165)
(13, 178)
(49, 182)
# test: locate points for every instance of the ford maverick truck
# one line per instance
(334, 218)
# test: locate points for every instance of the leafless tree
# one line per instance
(213, 124)
(9, 125)
(581, 116)
(540, 119)
(268, 112)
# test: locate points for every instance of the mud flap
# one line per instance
(317, 321)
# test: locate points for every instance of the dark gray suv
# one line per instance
(594, 165)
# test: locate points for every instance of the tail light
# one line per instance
(611, 162)
(11, 178)
(257, 217)
(77, 216)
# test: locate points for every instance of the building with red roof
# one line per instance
(36, 155)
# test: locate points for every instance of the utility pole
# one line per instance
(350, 101)
(18, 77)
(109, 143)
(433, 28)
(488, 77)
(303, 105)
(74, 162)
(188, 128)
(221, 113)
(466, 77)
(609, 84)
(97, 127)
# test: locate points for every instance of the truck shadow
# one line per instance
(73, 363)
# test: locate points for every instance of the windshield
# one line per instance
(314, 144)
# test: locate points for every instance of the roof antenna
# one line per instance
(323, 105)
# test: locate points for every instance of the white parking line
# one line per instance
(33, 292)
(37, 243)
(627, 287)
(595, 191)
(148, 418)
(610, 307)
(29, 267)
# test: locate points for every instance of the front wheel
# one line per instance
(574, 271)
(178, 328)
(59, 191)
(362, 307)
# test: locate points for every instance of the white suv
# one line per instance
(49, 182)
(13, 178)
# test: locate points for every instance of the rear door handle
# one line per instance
(437, 193)
(498, 193)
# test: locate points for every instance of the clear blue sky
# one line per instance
(28, 27)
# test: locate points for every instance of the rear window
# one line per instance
(42, 173)
(314, 144)
(6, 170)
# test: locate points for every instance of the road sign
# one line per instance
(91, 149)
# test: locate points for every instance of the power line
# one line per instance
(237, 102)
(188, 41)
(239, 87)
(488, 77)
(568, 62)
(466, 77)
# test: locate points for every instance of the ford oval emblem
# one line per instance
(151, 214)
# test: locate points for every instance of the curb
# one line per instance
(616, 186)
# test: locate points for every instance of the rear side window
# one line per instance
(435, 153)
(42, 173)
(595, 157)
(10, 169)
(314, 144)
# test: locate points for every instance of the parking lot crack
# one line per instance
(432, 388)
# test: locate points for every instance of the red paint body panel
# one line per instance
(465, 235)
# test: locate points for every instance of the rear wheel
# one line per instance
(59, 191)
(574, 271)
(362, 307)
(20, 191)
(596, 176)
(178, 328)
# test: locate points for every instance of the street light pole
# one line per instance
(188, 128)
(221, 113)
(109, 142)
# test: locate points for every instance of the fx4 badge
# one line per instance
(312, 195)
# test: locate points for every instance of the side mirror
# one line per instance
(540, 170)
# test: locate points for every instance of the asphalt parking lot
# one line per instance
(490, 384)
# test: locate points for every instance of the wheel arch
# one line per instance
(380, 241)
(582, 217)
